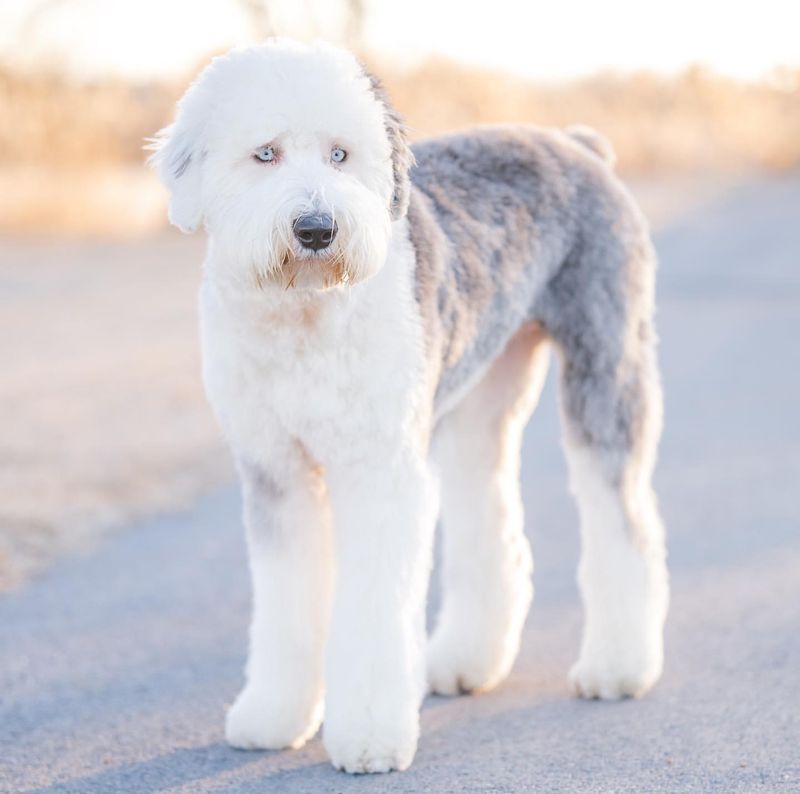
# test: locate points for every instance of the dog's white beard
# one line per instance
(317, 271)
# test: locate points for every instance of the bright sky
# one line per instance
(539, 38)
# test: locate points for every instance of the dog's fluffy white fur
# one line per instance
(417, 341)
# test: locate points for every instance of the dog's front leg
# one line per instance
(289, 544)
(384, 516)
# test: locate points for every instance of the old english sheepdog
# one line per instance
(375, 321)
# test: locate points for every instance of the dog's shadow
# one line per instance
(216, 764)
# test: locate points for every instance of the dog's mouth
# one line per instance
(319, 270)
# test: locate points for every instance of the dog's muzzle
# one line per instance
(315, 232)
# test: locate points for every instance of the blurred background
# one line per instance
(102, 416)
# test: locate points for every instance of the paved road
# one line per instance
(115, 668)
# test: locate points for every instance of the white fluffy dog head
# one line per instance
(270, 136)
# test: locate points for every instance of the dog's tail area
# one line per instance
(593, 141)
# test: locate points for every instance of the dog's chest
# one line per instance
(332, 376)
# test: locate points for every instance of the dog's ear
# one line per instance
(402, 156)
(177, 157)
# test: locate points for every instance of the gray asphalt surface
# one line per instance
(116, 667)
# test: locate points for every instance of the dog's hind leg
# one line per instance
(599, 315)
(487, 560)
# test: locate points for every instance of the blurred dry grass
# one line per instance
(696, 121)
(71, 154)
(71, 158)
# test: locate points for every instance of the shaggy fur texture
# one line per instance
(417, 342)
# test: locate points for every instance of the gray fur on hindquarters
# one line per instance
(518, 224)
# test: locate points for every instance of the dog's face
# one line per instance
(294, 162)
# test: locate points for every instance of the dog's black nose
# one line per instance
(315, 231)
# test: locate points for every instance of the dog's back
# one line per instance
(494, 215)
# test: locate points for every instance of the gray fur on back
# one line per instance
(518, 224)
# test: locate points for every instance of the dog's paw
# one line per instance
(258, 722)
(456, 668)
(360, 746)
(598, 676)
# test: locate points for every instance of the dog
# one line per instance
(375, 322)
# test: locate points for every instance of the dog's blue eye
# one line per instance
(338, 155)
(266, 154)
